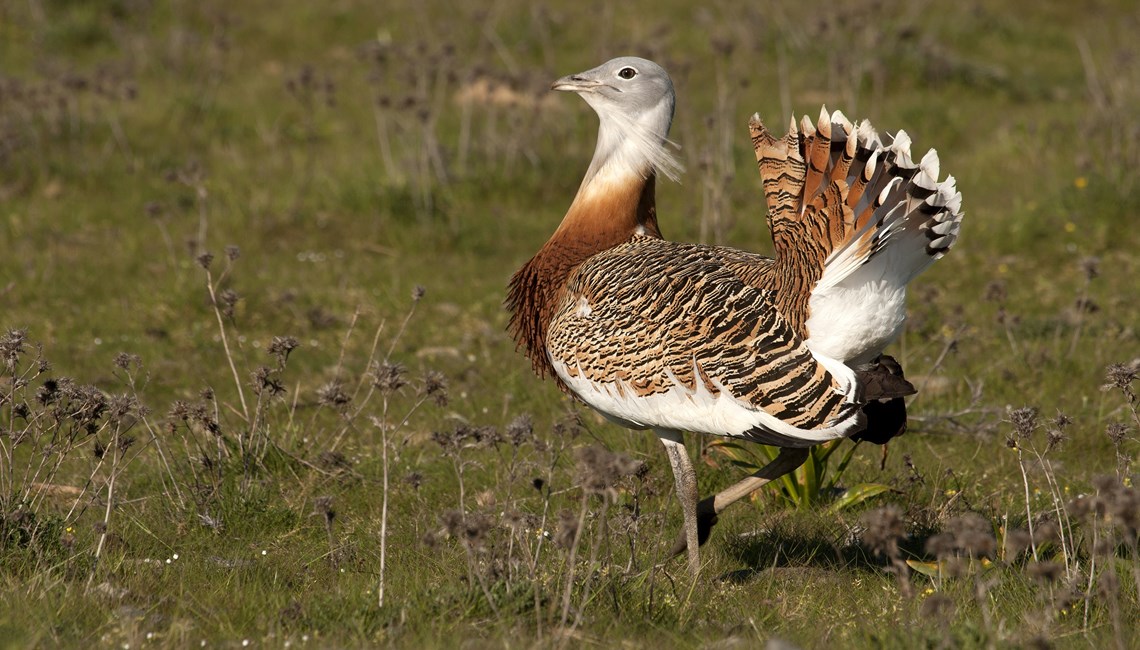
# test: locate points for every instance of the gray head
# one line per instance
(634, 100)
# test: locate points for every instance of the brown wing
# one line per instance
(653, 317)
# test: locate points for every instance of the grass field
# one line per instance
(255, 388)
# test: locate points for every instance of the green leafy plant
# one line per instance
(814, 483)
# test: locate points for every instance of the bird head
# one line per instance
(634, 100)
(628, 84)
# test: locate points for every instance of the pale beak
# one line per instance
(575, 83)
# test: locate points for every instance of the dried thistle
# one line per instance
(599, 469)
(228, 299)
(471, 530)
(1046, 572)
(883, 528)
(388, 377)
(520, 430)
(435, 387)
(1120, 376)
(264, 380)
(11, 347)
(281, 347)
(995, 291)
(48, 392)
(1117, 432)
(1017, 541)
(970, 535)
(1024, 421)
(464, 436)
(414, 479)
(333, 395)
(124, 361)
(567, 529)
(1090, 266)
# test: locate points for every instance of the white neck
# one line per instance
(632, 145)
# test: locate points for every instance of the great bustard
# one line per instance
(679, 337)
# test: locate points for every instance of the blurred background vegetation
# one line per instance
(334, 156)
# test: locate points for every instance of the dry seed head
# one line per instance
(569, 426)
(124, 361)
(970, 534)
(915, 476)
(280, 347)
(452, 521)
(414, 479)
(388, 377)
(1083, 506)
(975, 535)
(1090, 266)
(883, 528)
(1016, 542)
(332, 394)
(1024, 421)
(435, 387)
(21, 411)
(1054, 439)
(11, 347)
(567, 529)
(599, 469)
(1046, 572)
(1105, 484)
(1117, 432)
(996, 291)
(228, 299)
(471, 529)
(1119, 376)
(1124, 506)
(941, 545)
(520, 430)
(1061, 421)
(518, 520)
(265, 381)
(1047, 531)
(122, 405)
(125, 443)
(48, 392)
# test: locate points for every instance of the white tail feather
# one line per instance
(858, 304)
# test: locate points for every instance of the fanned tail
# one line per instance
(854, 218)
(838, 196)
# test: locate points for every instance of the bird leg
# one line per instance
(709, 507)
(686, 479)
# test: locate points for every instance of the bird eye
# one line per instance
(627, 73)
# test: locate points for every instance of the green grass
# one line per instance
(129, 130)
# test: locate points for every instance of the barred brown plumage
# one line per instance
(684, 337)
(700, 323)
